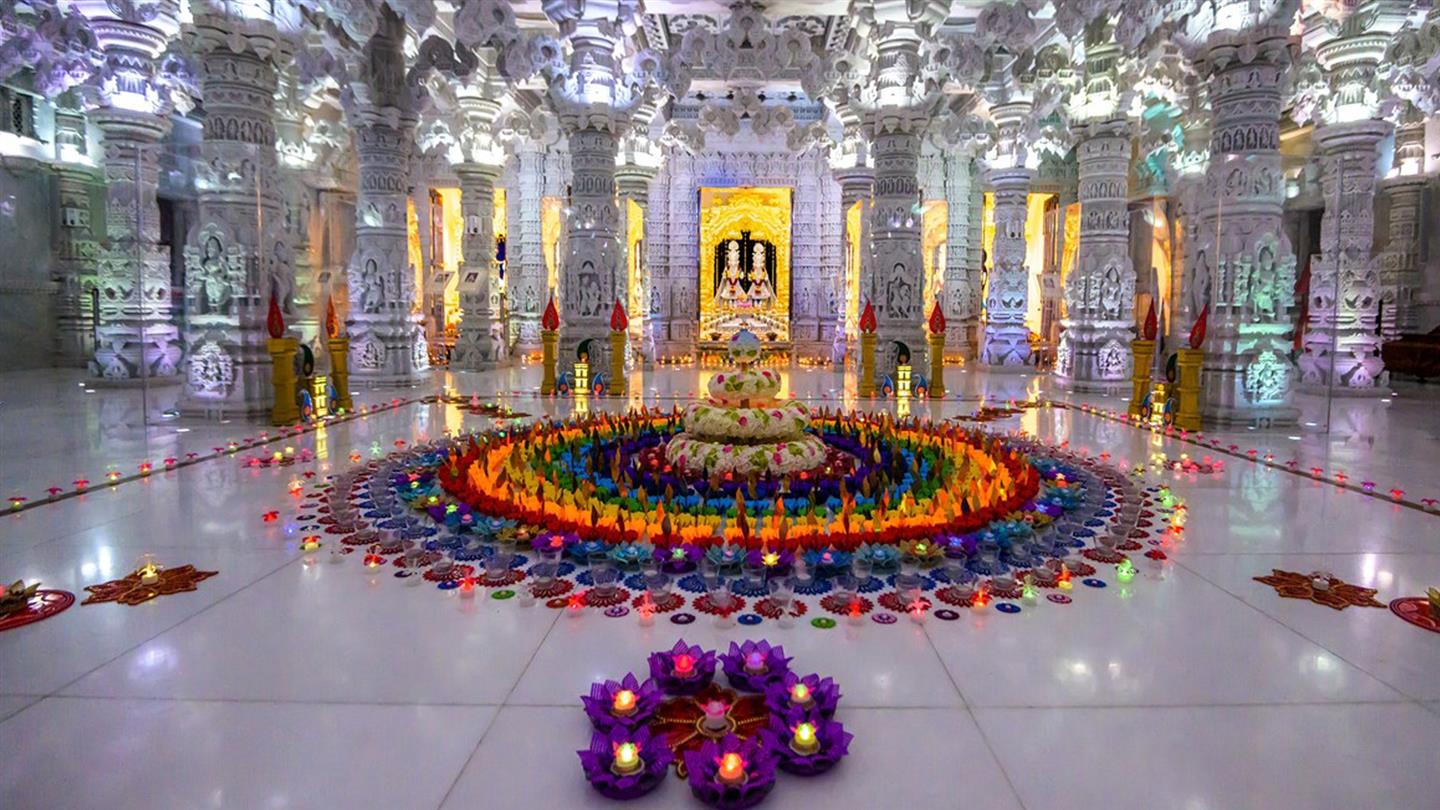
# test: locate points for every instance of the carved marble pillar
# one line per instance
(76, 248)
(137, 335)
(857, 184)
(526, 285)
(589, 265)
(682, 315)
(387, 333)
(632, 182)
(1189, 289)
(897, 277)
(482, 342)
(1094, 349)
(1007, 338)
(1345, 277)
(657, 263)
(1400, 264)
(961, 286)
(300, 202)
(238, 255)
(1244, 250)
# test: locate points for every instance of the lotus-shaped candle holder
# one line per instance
(627, 703)
(806, 743)
(732, 774)
(684, 670)
(754, 665)
(803, 692)
(625, 763)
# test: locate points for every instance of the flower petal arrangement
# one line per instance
(726, 744)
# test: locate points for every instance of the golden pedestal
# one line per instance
(340, 374)
(617, 364)
(867, 364)
(549, 343)
(1187, 388)
(1142, 352)
(282, 376)
(937, 364)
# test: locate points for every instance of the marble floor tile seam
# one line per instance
(489, 724)
(82, 676)
(241, 701)
(1256, 608)
(965, 704)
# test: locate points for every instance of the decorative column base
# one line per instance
(937, 365)
(340, 374)
(1187, 389)
(282, 376)
(1141, 350)
(617, 364)
(867, 364)
(549, 344)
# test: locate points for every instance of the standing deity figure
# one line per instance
(760, 291)
(730, 292)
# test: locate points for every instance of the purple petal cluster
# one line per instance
(775, 665)
(599, 704)
(833, 738)
(785, 560)
(681, 559)
(703, 766)
(824, 694)
(598, 759)
(662, 669)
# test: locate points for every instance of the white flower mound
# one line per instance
(778, 458)
(743, 429)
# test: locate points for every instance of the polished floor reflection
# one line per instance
(278, 684)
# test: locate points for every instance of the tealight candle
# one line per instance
(732, 770)
(624, 703)
(755, 662)
(804, 741)
(627, 758)
(715, 719)
(149, 574)
(800, 694)
(684, 666)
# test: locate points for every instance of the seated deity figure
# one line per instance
(760, 292)
(730, 292)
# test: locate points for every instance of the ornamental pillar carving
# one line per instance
(526, 286)
(857, 184)
(1188, 290)
(1243, 251)
(238, 254)
(591, 260)
(76, 248)
(136, 335)
(1100, 290)
(1342, 341)
(897, 277)
(1007, 338)
(962, 287)
(387, 334)
(482, 343)
(632, 278)
(1400, 264)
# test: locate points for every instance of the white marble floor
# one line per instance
(282, 685)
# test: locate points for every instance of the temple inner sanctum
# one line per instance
(783, 403)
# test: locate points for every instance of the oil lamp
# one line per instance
(800, 694)
(732, 770)
(624, 704)
(804, 741)
(683, 666)
(627, 759)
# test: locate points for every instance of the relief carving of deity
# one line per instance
(899, 295)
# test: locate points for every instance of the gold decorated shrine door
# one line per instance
(745, 264)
